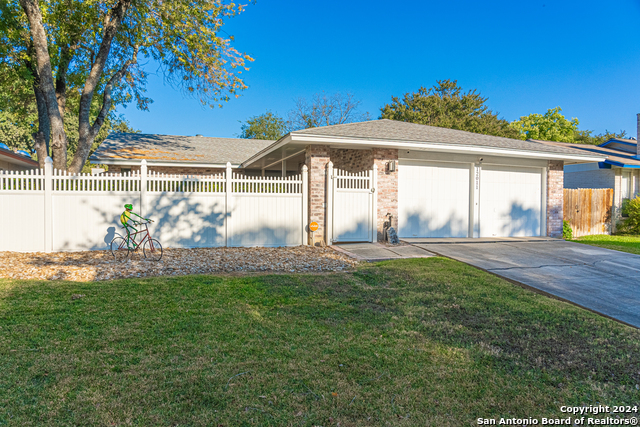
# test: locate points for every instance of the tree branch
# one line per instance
(84, 145)
(111, 28)
(106, 97)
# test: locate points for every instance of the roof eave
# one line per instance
(265, 151)
(443, 147)
(18, 157)
(137, 162)
(620, 164)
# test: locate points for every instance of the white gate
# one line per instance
(351, 206)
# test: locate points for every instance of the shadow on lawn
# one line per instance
(501, 324)
(214, 327)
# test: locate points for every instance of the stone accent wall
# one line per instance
(387, 188)
(317, 157)
(352, 160)
(555, 198)
(173, 170)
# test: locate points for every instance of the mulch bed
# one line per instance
(100, 265)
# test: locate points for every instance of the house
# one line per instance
(12, 161)
(431, 181)
(171, 154)
(620, 170)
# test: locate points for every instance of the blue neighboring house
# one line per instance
(620, 171)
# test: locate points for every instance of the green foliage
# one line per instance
(15, 131)
(184, 37)
(446, 105)
(550, 126)
(587, 137)
(631, 224)
(567, 232)
(265, 126)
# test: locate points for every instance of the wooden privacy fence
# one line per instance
(50, 210)
(588, 210)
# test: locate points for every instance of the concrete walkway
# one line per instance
(601, 280)
(377, 252)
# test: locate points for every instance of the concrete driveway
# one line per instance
(599, 279)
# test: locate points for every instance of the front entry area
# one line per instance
(447, 199)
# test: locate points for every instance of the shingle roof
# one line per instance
(612, 154)
(183, 149)
(385, 129)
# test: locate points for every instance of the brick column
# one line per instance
(387, 188)
(555, 198)
(317, 157)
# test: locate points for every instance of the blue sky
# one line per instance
(525, 56)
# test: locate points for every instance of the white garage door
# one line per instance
(510, 201)
(433, 199)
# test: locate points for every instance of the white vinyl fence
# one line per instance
(49, 210)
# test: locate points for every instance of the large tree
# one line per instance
(325, 110)
(66, 49)
(550, 126)
(264, 126)
(447, 105)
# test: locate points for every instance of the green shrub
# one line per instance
(624, 210)
(567, 232)
(631, 224)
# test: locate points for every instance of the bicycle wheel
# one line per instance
(119, 248)
(152, 250)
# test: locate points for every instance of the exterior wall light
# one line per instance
(391, 166)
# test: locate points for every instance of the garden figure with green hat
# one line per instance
(126, 217)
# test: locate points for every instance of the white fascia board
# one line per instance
(130, 162)
(447, 148)
(280, 143)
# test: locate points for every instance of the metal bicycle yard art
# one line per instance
(122, 246)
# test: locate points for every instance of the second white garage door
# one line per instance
(510, 201)
(433, 199)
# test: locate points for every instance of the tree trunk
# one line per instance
(40, 44)
(43, 135)
(87, 132)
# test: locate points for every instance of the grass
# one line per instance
(622, 243)
(408, 342)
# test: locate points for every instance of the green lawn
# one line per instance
(409, 342)
(629, 244)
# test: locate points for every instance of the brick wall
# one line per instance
(555, 198)
(387, 188)
(352, 160)
(316, 159)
